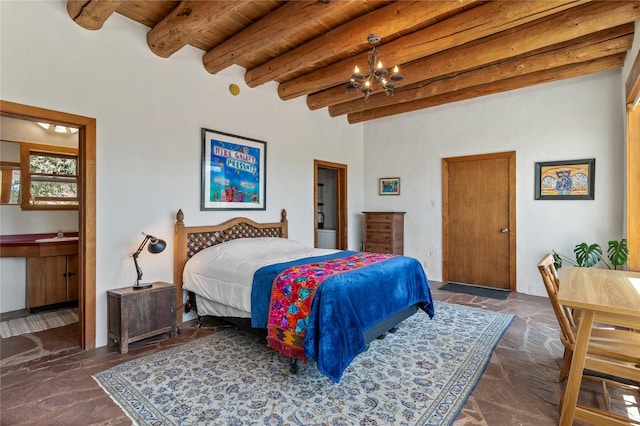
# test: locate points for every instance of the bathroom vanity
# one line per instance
(52, 264)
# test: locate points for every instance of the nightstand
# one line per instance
(137, 314)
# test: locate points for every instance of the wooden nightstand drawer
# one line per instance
(137, 314)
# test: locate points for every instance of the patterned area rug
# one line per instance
(39, 322)
(420, 375)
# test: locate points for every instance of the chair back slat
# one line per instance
(552, 284)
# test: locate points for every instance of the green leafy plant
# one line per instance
(618, 253)
(589, 255)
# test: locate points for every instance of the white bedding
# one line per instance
(224, 273)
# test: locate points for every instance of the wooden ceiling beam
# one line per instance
(550, 31)
(351, 38)
(603, 44)
(270, 30)
(186, 22)
(560, 73)
(91, 14)
(479, 22)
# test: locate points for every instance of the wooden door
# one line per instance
(479, 220)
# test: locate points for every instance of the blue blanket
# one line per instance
(346, 305)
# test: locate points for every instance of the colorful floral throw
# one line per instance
(292, 297)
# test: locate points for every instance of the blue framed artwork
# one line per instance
(233, 172)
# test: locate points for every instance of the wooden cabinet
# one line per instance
(137, 314)
(52, 280)
(384, 232)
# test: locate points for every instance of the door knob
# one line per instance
(504, 230)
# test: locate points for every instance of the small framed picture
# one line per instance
(389, 186)
(565, 180)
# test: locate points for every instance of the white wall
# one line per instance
(571, 119)
(149, 113)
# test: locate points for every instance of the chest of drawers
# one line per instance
(384, 232)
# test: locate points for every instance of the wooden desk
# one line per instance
(611, 295)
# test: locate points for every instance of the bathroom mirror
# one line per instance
(9, 182)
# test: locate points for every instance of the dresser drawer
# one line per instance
(379, 227)
(379, 237)
(379, 217)
(378, 248)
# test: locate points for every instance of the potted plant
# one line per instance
(589, 255)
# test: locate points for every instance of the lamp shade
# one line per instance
(156, 245)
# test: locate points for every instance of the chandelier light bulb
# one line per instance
(356, 70)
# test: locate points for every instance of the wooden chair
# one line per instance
(607, 342)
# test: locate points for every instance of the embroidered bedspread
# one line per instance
(292, 295)
(346, 305)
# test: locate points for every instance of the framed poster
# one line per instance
(389, 186)
(233, 172)
(565, 180)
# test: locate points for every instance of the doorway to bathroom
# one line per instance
(87, 206)
(330, 205)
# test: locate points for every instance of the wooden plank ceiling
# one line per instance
(446, 50)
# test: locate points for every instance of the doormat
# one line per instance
(473, 290)
(40, 322)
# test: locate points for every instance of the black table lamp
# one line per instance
(156, 245)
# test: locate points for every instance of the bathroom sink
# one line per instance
(56, 239)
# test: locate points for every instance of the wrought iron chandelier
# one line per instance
(377, 72)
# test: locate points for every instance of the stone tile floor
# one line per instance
(46, 380)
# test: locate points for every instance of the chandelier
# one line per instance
(377, 72)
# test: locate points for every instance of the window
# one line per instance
(49, 177)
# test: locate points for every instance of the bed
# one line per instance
(238, 271)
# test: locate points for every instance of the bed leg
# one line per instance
(198, 323)
(391, 330)
(293, 367)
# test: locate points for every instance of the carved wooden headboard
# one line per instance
(188, 240)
